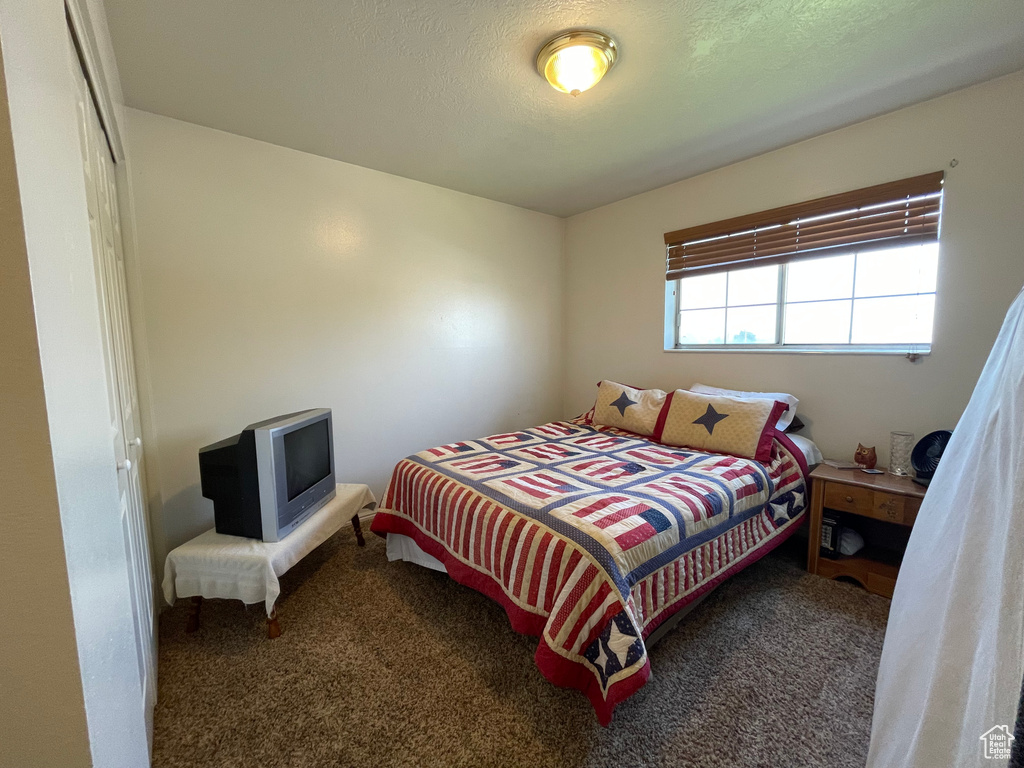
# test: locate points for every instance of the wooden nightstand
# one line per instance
(891, 499)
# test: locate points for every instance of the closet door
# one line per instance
(123, 403)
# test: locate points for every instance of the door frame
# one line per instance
(83, 30)
(83, 35)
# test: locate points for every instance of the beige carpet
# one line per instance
(390, 664)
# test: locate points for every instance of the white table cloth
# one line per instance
(216, 565)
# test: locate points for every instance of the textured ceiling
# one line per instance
(446, 91)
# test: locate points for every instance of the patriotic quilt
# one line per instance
(590, 536)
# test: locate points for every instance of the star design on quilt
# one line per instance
(786, 507)
(710, 418)
(780, 512)
(615, 649)
(619, 644)
(601, 662)
(623, 403)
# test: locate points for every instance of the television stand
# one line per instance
(215, 565)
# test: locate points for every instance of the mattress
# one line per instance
(591, 537)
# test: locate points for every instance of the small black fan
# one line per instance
(926, 455)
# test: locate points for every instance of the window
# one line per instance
(852, 272)
(883, 300)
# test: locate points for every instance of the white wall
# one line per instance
(47, 153)
(275, 280)
(614, 282)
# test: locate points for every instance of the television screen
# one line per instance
(307, 457)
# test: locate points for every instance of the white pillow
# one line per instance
(784, 421)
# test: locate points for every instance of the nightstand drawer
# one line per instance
(890, 507)
(847, 498)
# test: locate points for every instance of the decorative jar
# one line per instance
(900, 446)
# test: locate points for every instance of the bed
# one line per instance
(591, 537)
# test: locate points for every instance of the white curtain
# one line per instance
(953, 657)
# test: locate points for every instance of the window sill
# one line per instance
(921, 350)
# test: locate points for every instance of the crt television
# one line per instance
(271, 477)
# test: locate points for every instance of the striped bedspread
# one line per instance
(590, 537)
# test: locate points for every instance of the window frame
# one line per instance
(673, 320)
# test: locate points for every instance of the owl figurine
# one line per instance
(865, 457)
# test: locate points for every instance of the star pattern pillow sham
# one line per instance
(720, 424)
(628, 408)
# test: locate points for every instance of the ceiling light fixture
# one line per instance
(574, 62)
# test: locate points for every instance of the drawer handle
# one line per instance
(849, 499)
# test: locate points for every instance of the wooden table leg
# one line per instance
(192, 622)
(273, 628)
(817, 509)
(359, 531)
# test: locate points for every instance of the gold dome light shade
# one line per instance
(574, 62)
